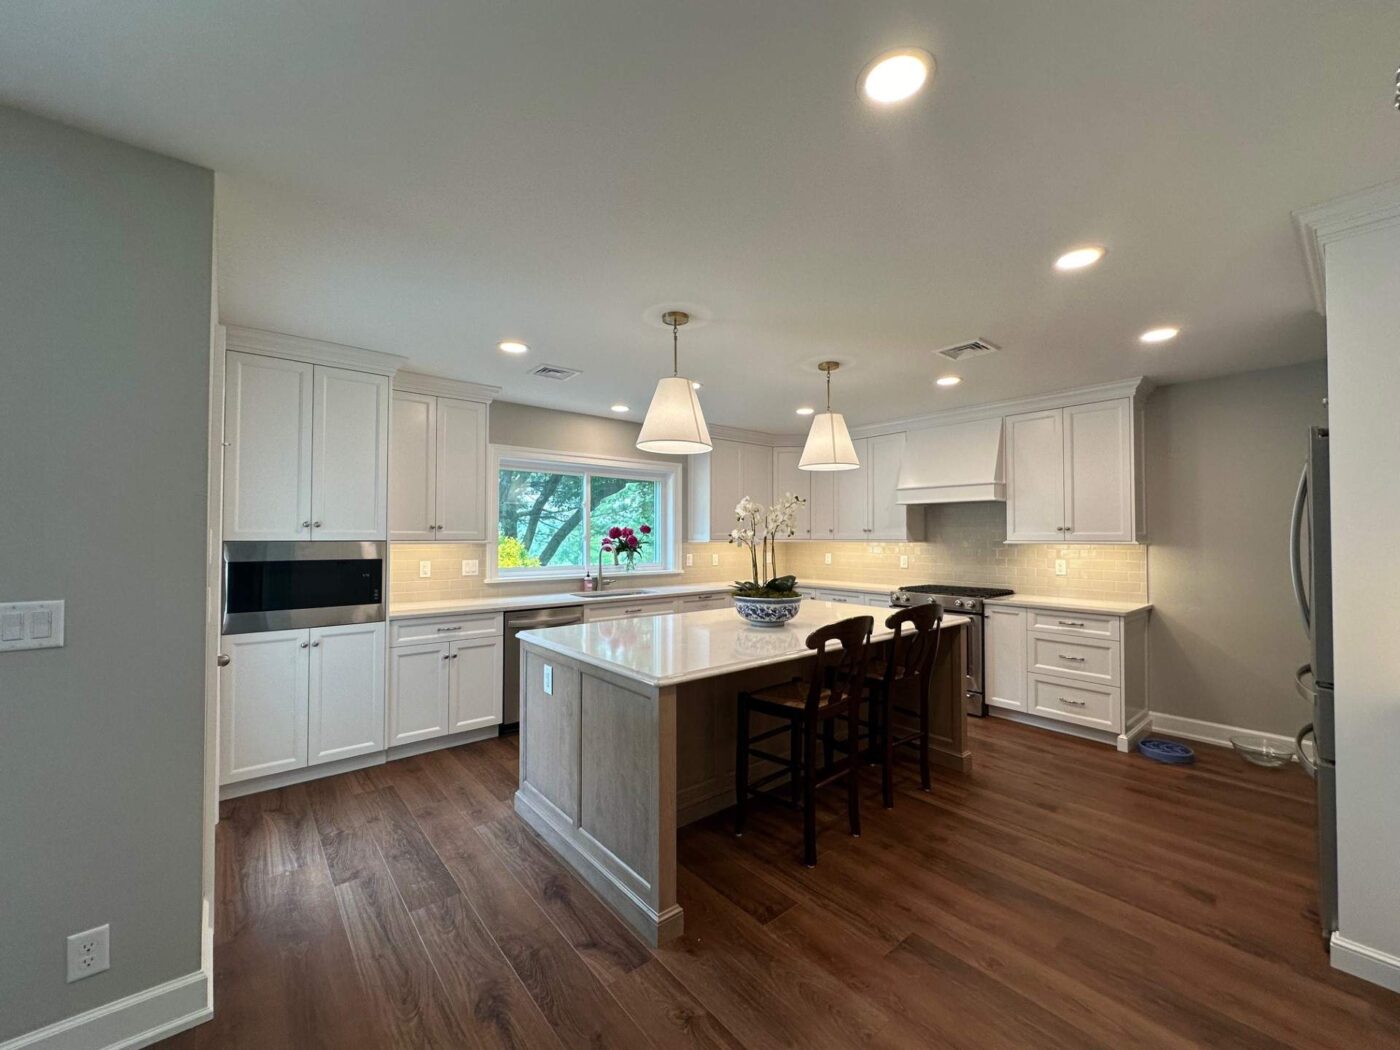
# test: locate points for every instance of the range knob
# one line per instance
(958, 602)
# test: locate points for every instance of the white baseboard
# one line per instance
(136, 1021)
(1208, 732)
(1370, 964)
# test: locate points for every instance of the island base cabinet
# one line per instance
(263, 693)
(346, 708)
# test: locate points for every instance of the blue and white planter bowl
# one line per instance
(767, 612)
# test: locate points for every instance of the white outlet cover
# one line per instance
(470, 567)
(1061, 569)
(89, 952)
(548, 679)
(826, 559)
(425, 569)
(714, 559)
(904, 561)
(690, 561)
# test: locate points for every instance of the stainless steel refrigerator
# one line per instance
(1311, 557)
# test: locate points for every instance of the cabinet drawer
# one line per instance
(1099, 707)
(444, 629)
(1090, 625)
(627, 610)
(701, 602)
(1075, 657)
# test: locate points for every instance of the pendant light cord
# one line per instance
(828, 391)
(675, 348)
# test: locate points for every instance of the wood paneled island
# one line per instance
(627, 733)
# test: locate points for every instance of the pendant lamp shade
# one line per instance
(675, 425)
(829, 445)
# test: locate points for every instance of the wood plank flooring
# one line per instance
(1062, 895)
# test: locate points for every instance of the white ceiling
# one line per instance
(431, 178)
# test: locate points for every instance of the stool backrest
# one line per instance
(912, 652)
(841, 671)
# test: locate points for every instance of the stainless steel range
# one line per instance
(965, 601)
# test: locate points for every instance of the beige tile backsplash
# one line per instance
(966, 545)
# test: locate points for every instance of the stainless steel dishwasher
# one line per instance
(526, 620)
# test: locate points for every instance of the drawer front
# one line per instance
(1098, 707)
(627, 610)
(1075, 657)
(1088, 625)
(444, 629)
(699, 602)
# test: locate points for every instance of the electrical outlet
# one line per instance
(826, 558)
(88, 953)
(548, 680)
(904, 561)
(469, 567)
(876, 549)
(690, 561)
(425, 569)
(1061, 568)
(714, 559)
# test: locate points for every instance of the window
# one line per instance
(552, 511)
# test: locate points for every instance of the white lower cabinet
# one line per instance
(346, 703)
(627, 610)
(703, 602)
(447, 686)
(1005, 645)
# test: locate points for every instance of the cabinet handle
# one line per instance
(1074, 659)
(1072, 703)
(1070, 623)
(636, 610)
(315, 524)
(440, 527)
(306, 645)
(447, 656)
(315, 645)
(457, 628)
(306, 524)
(455, 655)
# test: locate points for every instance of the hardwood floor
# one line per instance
(1062, 895)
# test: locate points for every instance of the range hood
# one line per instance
(956, 463)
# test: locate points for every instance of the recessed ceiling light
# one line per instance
(1079, 258)
(948, 380)
(621, 408)
(896, 75)
(512, 348)
(1159, 335)
(805, 410)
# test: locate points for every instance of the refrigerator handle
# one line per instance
(1295, 553)
(1309, 767)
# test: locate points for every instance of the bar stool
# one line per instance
(900, 684)
(832, 690)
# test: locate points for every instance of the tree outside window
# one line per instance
(543, 524)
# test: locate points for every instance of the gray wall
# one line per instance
(1223, 457)
(104, 302)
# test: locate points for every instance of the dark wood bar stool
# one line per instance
(899, 685)
(833, 690)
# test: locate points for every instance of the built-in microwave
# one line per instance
(284, 585)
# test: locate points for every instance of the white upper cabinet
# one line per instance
(822, 509)
(718, 480)
(413, 467)
(349, 460)
(1035, 477)
(888, 517)
(788, 478)
(853, 496)
(1073, 475)
(346, 708)
(267, 464)
(437, 484)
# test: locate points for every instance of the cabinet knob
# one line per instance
(306, 524)
(441, 527)
(223, 660)
(455, 655)
(315, 524)
(315, 645)
(447, 656)
(305, 645)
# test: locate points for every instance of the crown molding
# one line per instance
(312, 351)
(1139, 389)
(461, 389)
(1370, 209)
(756, 437)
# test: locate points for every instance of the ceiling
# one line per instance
(430, 178)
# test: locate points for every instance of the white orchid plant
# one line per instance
(759, 529)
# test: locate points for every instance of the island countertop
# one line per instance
(685, 647)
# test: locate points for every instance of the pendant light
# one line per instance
(674, 425)
(829, 444)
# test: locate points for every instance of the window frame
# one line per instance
(667, 477)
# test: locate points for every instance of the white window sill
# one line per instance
(577, 577)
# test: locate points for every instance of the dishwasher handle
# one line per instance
(544, 618)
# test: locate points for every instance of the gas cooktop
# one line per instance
(954, 591)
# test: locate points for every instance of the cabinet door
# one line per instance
(419, 692)
(350, 456)
(267, 458)
(346, 709)
(889, 520)
(413, 467)
(853, 496)
(1035, 477)
(461, 470)
(1006, 657)
(822, 511)
(262, 704)
(726, 486)
(757, 464)
(1099, 472)
(788, 478)
(476, 683)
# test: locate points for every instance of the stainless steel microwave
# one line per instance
(284, 585)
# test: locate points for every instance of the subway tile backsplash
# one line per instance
(966, 546)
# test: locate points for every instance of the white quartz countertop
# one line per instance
(507, 602)
(1080, 605)
(684, 647)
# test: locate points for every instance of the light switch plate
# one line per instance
(469, 567)
(425, 569)
(826, 559)
(690, 561)
(31, 625)
(714, 559)
(548, 679)
(1061, 569)
(904, 561)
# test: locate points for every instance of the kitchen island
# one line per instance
(627, 733)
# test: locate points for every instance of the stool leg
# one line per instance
(741, 768)
(809, 794)
(887, 753)
(923, 740)
(795, 761)
(828, 743)
(853, 764)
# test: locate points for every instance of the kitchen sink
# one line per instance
(606, 593)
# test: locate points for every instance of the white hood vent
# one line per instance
(957, 463)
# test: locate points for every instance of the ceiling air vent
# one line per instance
(555, 372)
(963, 351)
